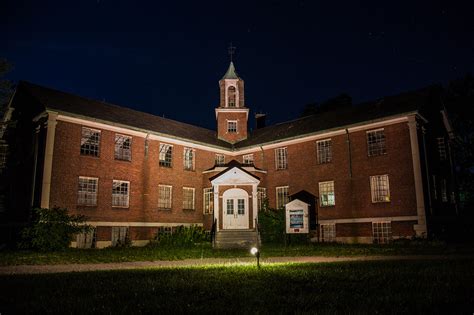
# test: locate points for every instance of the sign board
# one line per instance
(297, 217)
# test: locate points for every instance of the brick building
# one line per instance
(372, 172)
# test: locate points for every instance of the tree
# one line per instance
(52, 229)
(6, 86)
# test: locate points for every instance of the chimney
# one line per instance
(260, 120)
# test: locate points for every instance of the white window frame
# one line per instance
(232, 126)
(444, 190)
(165, 203)
(119, 235)
(261, 197)
(284, 190)
(377, 192)
(91, 147)
(376, 142)
(120, 200)
(208, 200)
(87, 197)
(186, 204)
(381, 232)
(281, 158)
(219, 159)
(121, 153)
(86, 239)
(165, 157)
(3, 156)
(324, 151)
(441, 141)
(247, 159)
(189, 159)
(328, 232)
(325, 190)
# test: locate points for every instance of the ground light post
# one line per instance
(254, 251)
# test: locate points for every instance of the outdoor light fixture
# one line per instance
(256, 252)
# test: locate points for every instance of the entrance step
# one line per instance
(236, 239)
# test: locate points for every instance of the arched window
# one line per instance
(231, 97)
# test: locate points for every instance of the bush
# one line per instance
(52, 229)
(182, 236)
(271, 225)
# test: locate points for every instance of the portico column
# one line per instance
(48, 159)
(254, 203)
(420, 228)
(216, 205)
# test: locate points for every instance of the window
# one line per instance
(435, 189)
(188, 159)
(261, 198)
(324, 149)
(376, 142)
(3, 156)
(381, 232)
(90, 141)
(441, 149)
(86, 239)
(120, 192)
(164, 196)
(328, 232)
(166, 154)
(326, 194)
(165, 230)
(87, 191)
(380, 189)
(281, 196)
(281, 158)
(231, 96)
(241, 206)
(247, 159)
(119, 235)
(444, 191)
(188, 198)
(232, 126)
(123, 147)
(230, 206)
(208, 200)
(220, 159)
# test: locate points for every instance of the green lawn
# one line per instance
(426, 286)
(205, 251)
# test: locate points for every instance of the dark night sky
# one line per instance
(166, 57)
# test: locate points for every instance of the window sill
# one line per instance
(327, 206)
(86, 206)
(374, 155)
(164, 209)
(189, 170)
(121, 207)
(165, 166)
(122, 160)
(384, 201)
(189, 209)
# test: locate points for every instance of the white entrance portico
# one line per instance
(235, 199)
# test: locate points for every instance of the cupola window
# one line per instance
(231, 96)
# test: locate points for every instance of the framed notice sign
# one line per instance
(297, 217)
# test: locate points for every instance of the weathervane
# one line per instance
(231, 51)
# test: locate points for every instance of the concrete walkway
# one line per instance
(40, 269)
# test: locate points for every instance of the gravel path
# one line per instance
(38, 269)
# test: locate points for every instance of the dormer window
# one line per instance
(231, 96)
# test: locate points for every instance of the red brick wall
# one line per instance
(352, 195)
(233, 137)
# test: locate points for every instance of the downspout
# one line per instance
(348, 140)
(35, 165)
(428, 183)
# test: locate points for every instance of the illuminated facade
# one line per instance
(371, 173)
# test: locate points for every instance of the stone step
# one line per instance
(236, 239)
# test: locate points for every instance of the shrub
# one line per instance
(52, 229)
(271, 225)
(182, 236)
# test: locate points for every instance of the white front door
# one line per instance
(236, 209)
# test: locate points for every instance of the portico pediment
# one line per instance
(234, 176)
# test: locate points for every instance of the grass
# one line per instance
(356, 287)
(113, 255)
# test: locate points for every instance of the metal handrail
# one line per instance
(257, 231)
(213, 232)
